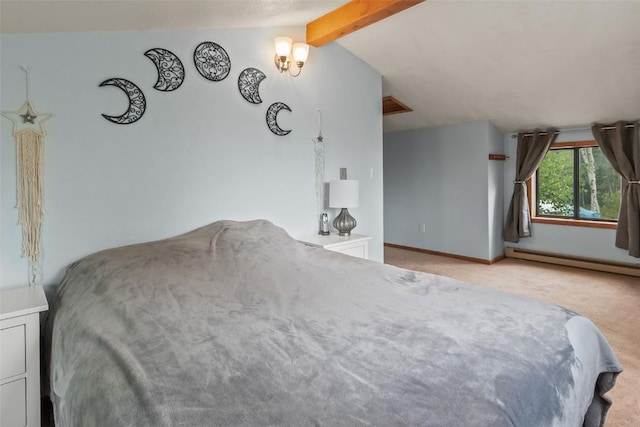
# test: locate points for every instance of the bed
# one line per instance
(238, 324)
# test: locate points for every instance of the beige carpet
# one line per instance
(611, 301)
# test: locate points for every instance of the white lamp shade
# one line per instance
(344, 193)
(283, 45)
(300, 52)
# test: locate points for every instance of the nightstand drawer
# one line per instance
(355, 245)
(12, 352)
(13, 401)
(357, 251)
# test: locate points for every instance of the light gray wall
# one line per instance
(424, 183)
(442, 177)
(495, 188)
(587, 242)
(199, 154)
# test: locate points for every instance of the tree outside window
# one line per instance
(575, 181)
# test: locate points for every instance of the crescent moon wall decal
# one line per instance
(137, 102)
(272, 118)
(170, 69)
(249, 84)
(212, 61)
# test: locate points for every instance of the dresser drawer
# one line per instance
(20, 310)
(13, 401)
(13, 351)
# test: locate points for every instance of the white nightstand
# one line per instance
(355, 245)
(20, 355)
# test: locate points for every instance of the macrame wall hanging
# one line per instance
(318, 146)
(29, 132)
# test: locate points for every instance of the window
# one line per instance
(575, 185)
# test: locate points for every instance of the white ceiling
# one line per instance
(518, 64)
(42, 16)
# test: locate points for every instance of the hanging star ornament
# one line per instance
(318, 138)
(27, 118)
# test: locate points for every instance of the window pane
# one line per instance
(555, 184)
(599, 186)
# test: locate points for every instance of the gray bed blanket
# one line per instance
(237, 324)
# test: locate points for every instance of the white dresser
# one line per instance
(20, 356)
(355, 245)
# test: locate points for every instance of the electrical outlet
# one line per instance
(423, 228)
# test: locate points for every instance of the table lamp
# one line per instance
(344, 194)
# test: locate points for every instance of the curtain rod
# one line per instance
(515, 135)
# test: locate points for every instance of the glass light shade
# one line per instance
(300, 52)
(344, 193)
(283, 45)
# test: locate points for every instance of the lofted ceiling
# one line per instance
(519, 64)
(42, 16)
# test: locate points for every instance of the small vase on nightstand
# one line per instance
(324, 225)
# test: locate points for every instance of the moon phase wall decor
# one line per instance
(249, 84)
(212, 61)
(170, 69)
(137, 102)
(272, 118)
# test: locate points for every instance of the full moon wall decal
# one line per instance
(212, 61)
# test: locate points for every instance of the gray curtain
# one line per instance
(532, 147)
(620, 144)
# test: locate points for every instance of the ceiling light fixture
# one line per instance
(285, 48)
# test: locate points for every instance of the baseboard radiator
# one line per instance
(571, 261)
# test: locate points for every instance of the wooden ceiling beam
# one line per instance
(351, 17)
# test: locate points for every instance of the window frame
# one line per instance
(574, 222)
